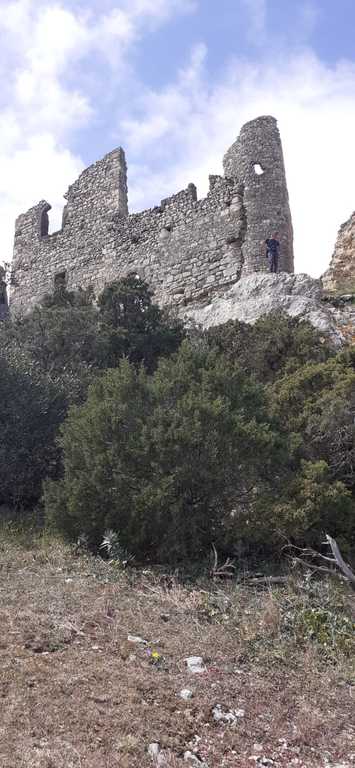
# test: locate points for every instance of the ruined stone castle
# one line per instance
(186, 249)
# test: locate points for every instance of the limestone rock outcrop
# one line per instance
(340, 277)
(258, 294)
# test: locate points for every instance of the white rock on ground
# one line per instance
(153, 750)
(260, 293)
(230, 717)
(136, 639)
(195, 664)
(186, 694)
(191, 758)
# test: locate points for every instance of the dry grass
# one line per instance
(75, 693)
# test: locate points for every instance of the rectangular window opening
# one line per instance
(60, 281)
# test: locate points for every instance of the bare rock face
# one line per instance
(340, 277)
(259, 294)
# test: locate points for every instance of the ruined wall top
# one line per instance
(256, 158)
(107, 179)
(185, 248)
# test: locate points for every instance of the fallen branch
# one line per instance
(338, 559)
(225, 571)
(266, 580)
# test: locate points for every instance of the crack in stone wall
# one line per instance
(186, 249)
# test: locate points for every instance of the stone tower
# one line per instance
(256, 160)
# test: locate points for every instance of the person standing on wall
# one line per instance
(273, 252)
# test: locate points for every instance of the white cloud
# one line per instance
(175, 134)
(186, 128)
(47, 45)
(24, 180)
(310, 14)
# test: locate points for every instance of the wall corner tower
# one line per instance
(256, 160)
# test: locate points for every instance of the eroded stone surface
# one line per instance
(256, 158)
(258, 294)
(340, 277)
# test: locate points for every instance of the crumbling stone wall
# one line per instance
(256, 158)
(340, 277)
(185, 248)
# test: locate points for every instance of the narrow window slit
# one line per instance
(258, 169)
(60, 281)
(44, 224)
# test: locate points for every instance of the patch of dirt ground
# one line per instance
(75, 692)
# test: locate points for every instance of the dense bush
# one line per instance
(59, 338)
(31, 410)
(274, 345)
(311, 394)
(165, 460)
(70, 339)
(131, 325)
(315, 406)
(49, 358)
(242, 438)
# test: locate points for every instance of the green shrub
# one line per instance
(275, 345)
(164, 460)
(132, 326)
(31, 410)
(327, 628)
(315, 408)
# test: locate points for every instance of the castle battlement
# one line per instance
(186, 249)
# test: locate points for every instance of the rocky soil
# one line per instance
(107, 669)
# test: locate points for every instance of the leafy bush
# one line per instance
(311, 394)
(164, 460)
(132, 326)
(321, 614)
(31, 410)
(51, 355)
(315, 407)
(275, 345)
(70, 339)
(328, 628)
(59, 339)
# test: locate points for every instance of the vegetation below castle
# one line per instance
(115, 416)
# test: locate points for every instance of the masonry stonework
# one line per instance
(186, 249)
(256, 159)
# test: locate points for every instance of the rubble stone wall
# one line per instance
(186, 249)
(257, 159)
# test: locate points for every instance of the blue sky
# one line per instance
(172, 81)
